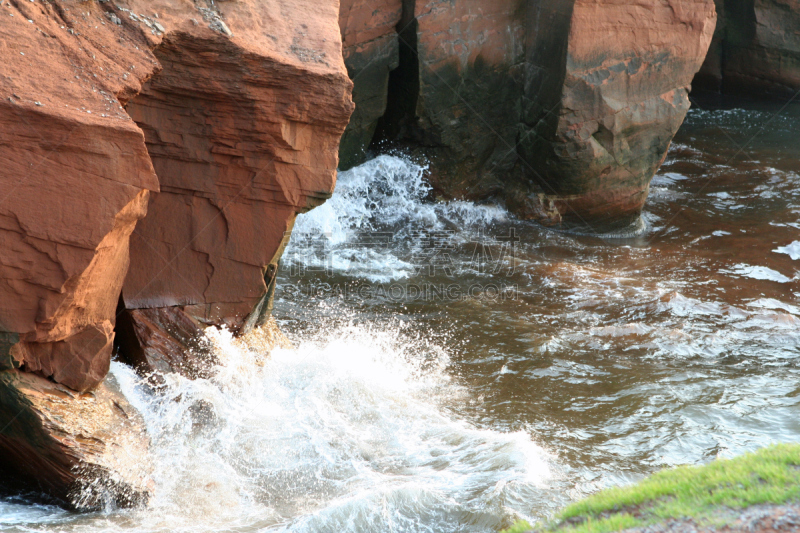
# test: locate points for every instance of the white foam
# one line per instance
(720, 195)
(383, 191)
(757, 272)
(771, 303)
(350, 431)
(792, 250)
(387, 195)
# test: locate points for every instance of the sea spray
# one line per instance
(377, 220)
(348, 431)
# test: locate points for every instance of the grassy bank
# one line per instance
(768, 476)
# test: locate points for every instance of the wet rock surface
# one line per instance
(756, 49)
(562, 109)
(454, 99)
(163, 340)
(87, 450)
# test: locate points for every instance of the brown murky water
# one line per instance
(622, 356)
(456, 369)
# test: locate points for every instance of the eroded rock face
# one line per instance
(470, 59)
(564, 109)
(75, 180)
(238, 107)
(243, 131)
(455, 97)
(371, 50)
(222, 95)
(83, 449)
(626, 71)
(756, 48)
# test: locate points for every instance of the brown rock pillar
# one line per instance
(564, 109)
(756, 49)
(626, 71)
(455, 99)
(371, 51)
(243, 131)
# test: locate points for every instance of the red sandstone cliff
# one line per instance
(756, 49)
(221, 121)
(75, 179)
(563, 108)
(243, 132)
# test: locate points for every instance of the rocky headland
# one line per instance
(564, 109)
(220, 122)
(156, 153)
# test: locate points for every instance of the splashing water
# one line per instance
(675, 347)
(386, 192)
(372, 225)
(347, 432)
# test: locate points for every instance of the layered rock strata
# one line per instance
(84, 449)
(563, 109)
(243, 131)
(75, 180)
(756, 49)
(238, 108)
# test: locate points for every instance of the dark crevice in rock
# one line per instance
(127, 349)
(399, 121)
(546, 54)
(755, 50)
(162, 340)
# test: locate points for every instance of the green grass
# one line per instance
(520, 527)
(770, 475)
